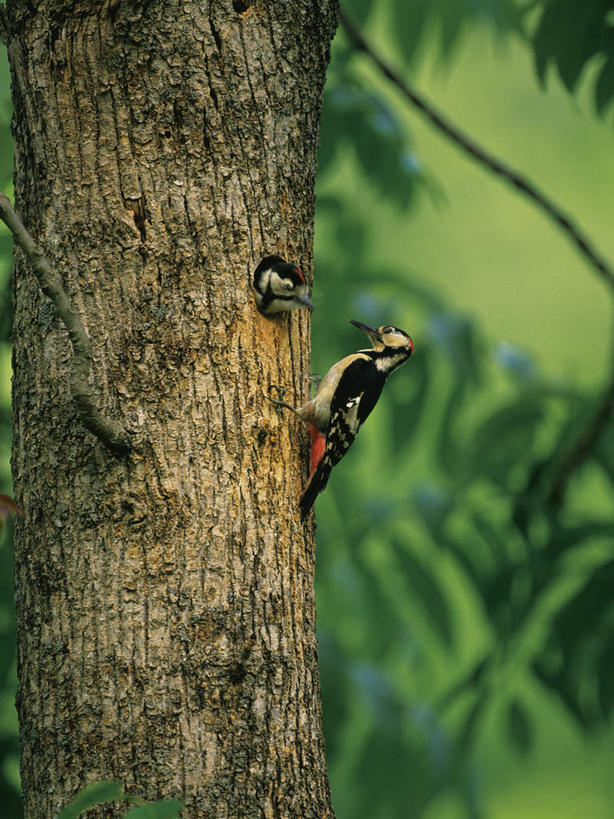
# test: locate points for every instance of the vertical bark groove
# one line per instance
(166, 620)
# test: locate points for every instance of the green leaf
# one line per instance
(433, 504)
(359, 10)
(380, 695)
(471, 724)
(451, 24)
(448, 450)
(332, 128)
(519, 727)
(167, 809)
(493, 537)
(357, 119)
(605, 673)
(497, 598)
(576, 647)
(563, 538)
(505, 439)
(95, 794)
(383, 625)
(411, 22)
(465, 557)
(334, 680)
(604, 87)
(425, 588)
(408, 23)
(569, 35)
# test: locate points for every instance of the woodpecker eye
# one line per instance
(388, 330)
(288, 286)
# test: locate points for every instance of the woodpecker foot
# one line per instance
(315, 380)
(279, 401)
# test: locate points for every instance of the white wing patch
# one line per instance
(342, 430)
(351, 414)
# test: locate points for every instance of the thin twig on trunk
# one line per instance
(110, 433)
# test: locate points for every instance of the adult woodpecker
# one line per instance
(279, 286)
(346, 395)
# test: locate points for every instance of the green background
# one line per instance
(466, 640)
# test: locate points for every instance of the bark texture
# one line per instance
(166, 620)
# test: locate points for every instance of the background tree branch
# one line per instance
(471, 147)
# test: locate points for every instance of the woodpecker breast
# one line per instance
(317, 410)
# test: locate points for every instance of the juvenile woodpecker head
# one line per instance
(280, 286)
(391, 346)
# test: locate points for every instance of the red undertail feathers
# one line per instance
(318, 445)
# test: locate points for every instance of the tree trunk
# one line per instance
(166, 621)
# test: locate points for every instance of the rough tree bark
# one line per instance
(166, 620)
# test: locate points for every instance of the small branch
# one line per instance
(471, 147)
(584, 444)
(110, 433)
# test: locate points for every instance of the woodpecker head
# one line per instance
(391, 346)
(280, 286)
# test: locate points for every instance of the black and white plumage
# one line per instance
(280, 286)
(345, 398)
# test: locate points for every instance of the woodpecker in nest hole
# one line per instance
(279, 286)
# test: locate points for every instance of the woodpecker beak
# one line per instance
(373, 334)
(304, 299)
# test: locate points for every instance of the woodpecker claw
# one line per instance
(280, 393)
(315, 380)
(279, 401)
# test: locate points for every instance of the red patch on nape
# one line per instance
(318, 445)
(299, 273)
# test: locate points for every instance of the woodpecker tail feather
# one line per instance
(316, 484)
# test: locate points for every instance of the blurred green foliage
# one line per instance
(570, 36)
(464, 614)
(466, 621)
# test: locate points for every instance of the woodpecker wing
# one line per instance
(342, 430)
